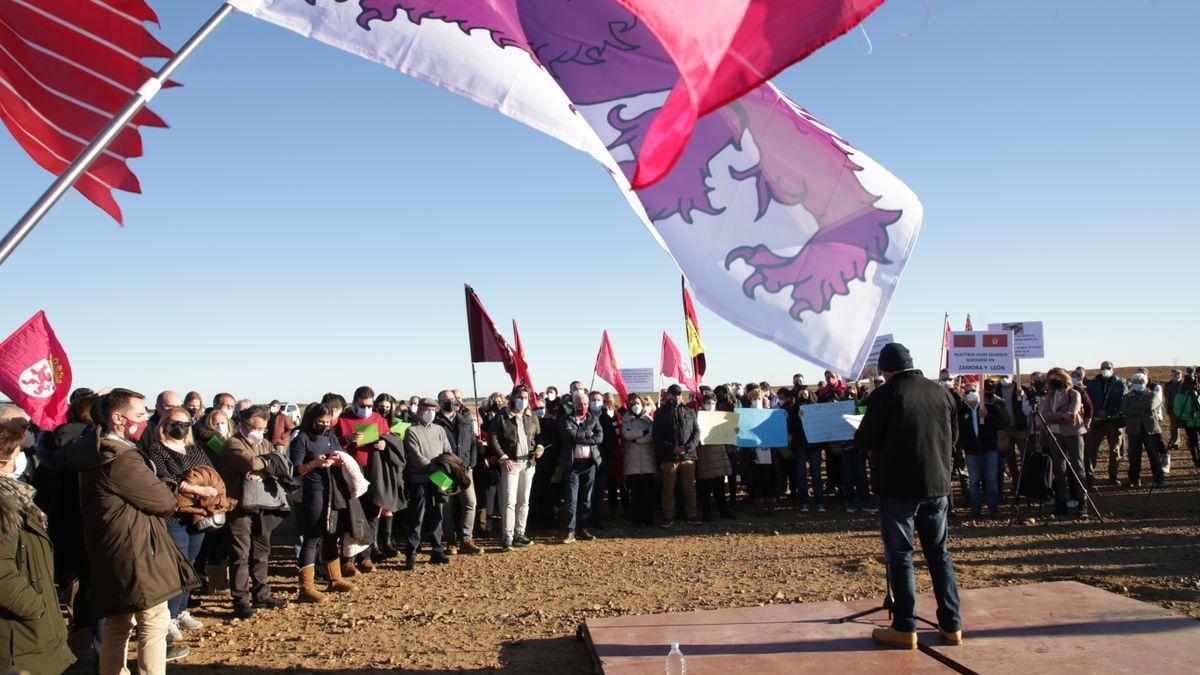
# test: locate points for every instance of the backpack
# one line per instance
(1036, 477)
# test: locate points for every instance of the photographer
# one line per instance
(1062, 411)
(910, 429)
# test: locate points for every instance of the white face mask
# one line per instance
(412, 408)
(1137, 386)
(595, 406)
(1006, 381)
(363, 411)
(551, 396)
(972, 398)
(756, 403)
(228, 412)
(1106, 373)
(636, 409)
(710, 407)
(426, 417)
(540, 412)
(255, 437)
(222, 428)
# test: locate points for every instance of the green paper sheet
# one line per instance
(216, 444)
(440, 479)
(370, 432)
(400, 427)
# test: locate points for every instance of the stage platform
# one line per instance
(1050, 627)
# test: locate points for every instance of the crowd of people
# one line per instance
(125, 510)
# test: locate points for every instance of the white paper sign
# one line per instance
(640, 380)
(872, 365)
(824, 422)
(982, 353)
(1027, 337)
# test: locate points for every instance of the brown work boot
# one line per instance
(366, 566)
(895, 638)
(469, 547)
(336, 583)
(348, 568)
(954, 638)
(308, 590)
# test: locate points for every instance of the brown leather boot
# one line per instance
(336, 583)
(365, 565)
(348, 568)
(308, 590)
(469, 547)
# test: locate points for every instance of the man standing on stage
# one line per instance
(910, 430)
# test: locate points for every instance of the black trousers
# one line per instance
(249, 551)
(709, 490)
(642, 495)
(318, 538)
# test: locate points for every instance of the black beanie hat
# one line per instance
(894, 357)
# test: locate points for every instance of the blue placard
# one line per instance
(762, 428)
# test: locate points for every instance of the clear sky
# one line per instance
(308, 221)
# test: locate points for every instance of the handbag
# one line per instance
(264, 495)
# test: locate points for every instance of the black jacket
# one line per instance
(910, 430)
(385, 473)
(674, 426)
(502, 435)
(575, 433)
(461, 434)
(988, 438)
(609, 446)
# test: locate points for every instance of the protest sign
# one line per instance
(1028, 341)
(639, 380)
(872, 365)
(761, 428)
(982, 352)
(824, 422)
(717, 428)
(370, 432)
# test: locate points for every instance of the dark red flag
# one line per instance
(487, 344)
(35, 372)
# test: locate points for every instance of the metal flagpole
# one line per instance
(98, 145)
(942, 347)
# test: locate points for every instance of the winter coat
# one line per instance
(461, 435)
(314, 485)
(345, 427)
(1106, 395)
(385, 472)
(639, 445)
(422, 444)
(575, 432)
(33, 635)
(987, 439)
(1187, 409)
(199, 508)
(712, 462)
(58, 497)
(1063, 411)
(910, 430)
(133, 561)
(240, 458)
(502, 436)
(675, 426)
(1140, 409)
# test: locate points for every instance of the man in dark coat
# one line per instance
(579, 459)
(910, 430)
(459, 510)
(135, 566)
(676, 436)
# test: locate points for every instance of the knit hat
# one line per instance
(894, 357)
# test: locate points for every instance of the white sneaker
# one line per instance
(173, 632)
(1071, 504)
(188, 622)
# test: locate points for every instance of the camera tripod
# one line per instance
(1087, 496)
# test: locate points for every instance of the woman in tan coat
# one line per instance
(712, 466)
(1062, 416)
(640, 464)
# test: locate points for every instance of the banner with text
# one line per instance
(1028, 342)
(824, 422)
(639, 380)
(872, 367)
(982, 353)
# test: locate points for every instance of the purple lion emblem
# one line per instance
(601, 55)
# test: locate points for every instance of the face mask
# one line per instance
(426, 416)
(319, 429)
(412, 408)
(579, 408)
(222, 428)
(972, 398)
(737, 391)
(1106, 373)
(636, 409)
(134, 430)
(710, 407)
(521, 403)
(194, 412)
(255, 437)
(274, 411)
(177, 430)
(595, 406)
(1006, 381)
(362, 411)
(228, 412)
(551, 396)
(1137, 386)
(756, 403)
(448, 405)
(1076, 381)
(20, 463)
(540, 412)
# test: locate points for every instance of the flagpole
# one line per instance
(140, 98)
(942, 347)
(474, 387)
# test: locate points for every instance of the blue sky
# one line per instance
(308, 221)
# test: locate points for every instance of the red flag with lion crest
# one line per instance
(35, 372)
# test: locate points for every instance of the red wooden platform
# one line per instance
(1060, 626)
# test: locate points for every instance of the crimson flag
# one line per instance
(66, 69)
(523, 365)
(607, 368)
(946, 340)
(725, 51)
(35, 373)
(487, 344)
(672, 365)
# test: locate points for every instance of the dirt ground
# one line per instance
(520, 610)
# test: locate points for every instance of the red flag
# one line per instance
(672, 365)
(692, 326)
(35, 373)
(725, 51)
(66, 69)
(946, 340)
(968, 322)
(523, 365)
(607, 368)
(487, 344)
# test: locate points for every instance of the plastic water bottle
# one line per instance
(675, 663)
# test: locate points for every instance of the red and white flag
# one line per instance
(607, 368)
(66, 68)
(672, 365)
(35, 373)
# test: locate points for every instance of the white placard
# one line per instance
(640, 380)
(982, 352)
(824, 422)
(1027, 338)
(873, 360)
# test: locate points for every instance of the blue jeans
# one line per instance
(897, 518)
(421, 504)
(853, 465)
(599, 485)
(982, 471)
(808, 464)
(189, 546)
(578, 482)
